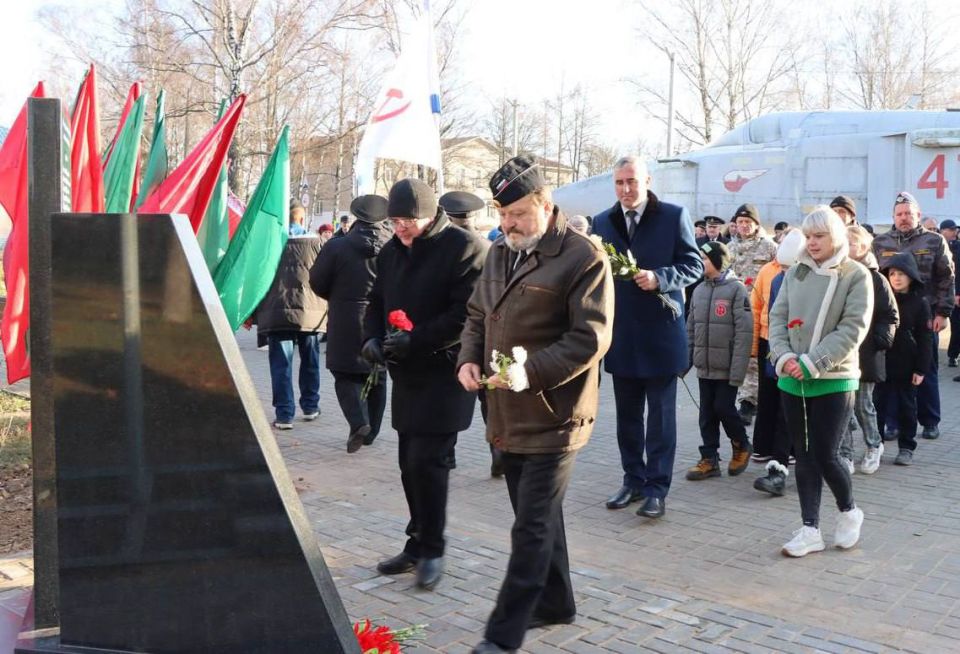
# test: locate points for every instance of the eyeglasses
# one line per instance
(403, 222)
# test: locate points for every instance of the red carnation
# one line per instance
(399, 320)
(379, 639)
(796, 322)
(748, 281)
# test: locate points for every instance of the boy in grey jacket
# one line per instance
(719, 337)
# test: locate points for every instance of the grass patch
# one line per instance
(15, 448)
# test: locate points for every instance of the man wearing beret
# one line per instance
(939, 287)
(846, 208)
(547, 289)
(462, 208)
(343, 274)
(752, 250)
(649, 347)
(427, 270)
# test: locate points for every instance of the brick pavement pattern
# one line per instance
(708, 577)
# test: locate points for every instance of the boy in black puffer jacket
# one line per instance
(719, 337)
(909, 358)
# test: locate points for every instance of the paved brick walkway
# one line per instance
(708, 577)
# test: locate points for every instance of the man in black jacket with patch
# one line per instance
(343, 275)
(427, 270)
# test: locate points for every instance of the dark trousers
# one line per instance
(928, 392)
(770, 436)
(425, 475)
(896, 403)
(538, 574)
(718, 405)
(280, 354)
(359, 412)
(816, 437)
(953, 348)
(647, 451)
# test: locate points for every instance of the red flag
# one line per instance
(190, 186)
(15, 328)
(86, 173)
(132, 96)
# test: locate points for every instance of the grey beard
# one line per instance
(525, 243)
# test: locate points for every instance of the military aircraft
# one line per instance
(786, 163)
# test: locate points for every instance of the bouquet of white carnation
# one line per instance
(509, 368)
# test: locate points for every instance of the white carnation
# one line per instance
(519, 355)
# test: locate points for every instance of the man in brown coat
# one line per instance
(547, 289)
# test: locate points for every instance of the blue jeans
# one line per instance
(647, 451)
(281, 372)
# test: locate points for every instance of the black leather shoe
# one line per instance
(398, 564)
(486, 647)
(653, 507)
(355, 439)
(429, 572)
(539, 622)
(369, 438)
(622, 498)
(931, 433)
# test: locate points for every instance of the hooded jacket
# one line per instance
(343, 274)
(290, 304)
(720, 329)
(820, 317)
(913, 343)
(883, 326)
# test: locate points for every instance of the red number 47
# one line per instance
(939, 179)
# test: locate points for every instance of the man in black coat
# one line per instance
(343, 275)
(427, 270)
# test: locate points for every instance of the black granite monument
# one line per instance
(179, 528)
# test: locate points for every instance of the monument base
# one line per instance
(47, 641)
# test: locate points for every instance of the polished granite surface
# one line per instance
(179, 527)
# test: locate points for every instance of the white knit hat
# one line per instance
(790, 248)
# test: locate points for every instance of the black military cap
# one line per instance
(781, 225)
(714, 220)
(460, 203)
(369, 208)
(844, 202)
(517, 178)
(747, 211)
(411, 198)
(948, 224)
(700, 223)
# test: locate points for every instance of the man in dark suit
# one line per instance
(649, 334)
(427, 270)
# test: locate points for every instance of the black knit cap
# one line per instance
(369, 208)
(460, 203)
(844, 202)
(781, 225)
(718, 254)
(411, 198)
(517, 178)
(747, 211)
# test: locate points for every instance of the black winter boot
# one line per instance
(776, 480)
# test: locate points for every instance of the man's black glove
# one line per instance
(372, 352)
(396, 347)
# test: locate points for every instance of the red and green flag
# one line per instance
(246, 271)
(157, 161)
(86, 171)
(214, 234)
(132, 96)
(190, 186)
(15, 328)
(123, 163)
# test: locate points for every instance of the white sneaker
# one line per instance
(848, 528)
(805, 540)
(311, 416)
(282, 426)
(871, 460)
(848, 464)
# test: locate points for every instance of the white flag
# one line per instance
(403, 124)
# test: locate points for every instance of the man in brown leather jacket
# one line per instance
(547, 289)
